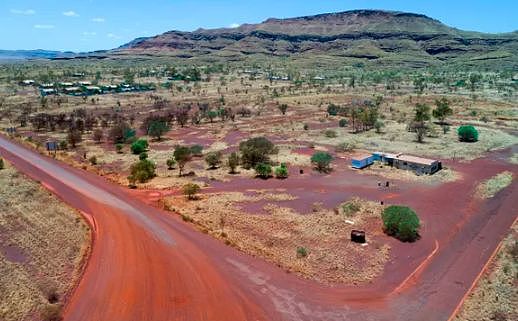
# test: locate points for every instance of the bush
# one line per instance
(302, 252)
(263, 170)
(333, 109)
(378, 125)
(139, 146)
(321, 160)
(281, 171)
(2, 165)
(306, 127)
(93, 160)
(233, 162)
(157, 129)
(467, 133)
(142, 156)
(142, 171)
(330, 133)
(213, 159)
(342, 122)
(401, 222)
(197, 150)
(345, 147)
(190, 190)
(119, 148)
(256, 150)
(171, 163)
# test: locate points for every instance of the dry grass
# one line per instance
(42, 248)
(496, 296)
(332, 257)
(490, 187)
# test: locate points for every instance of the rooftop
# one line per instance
(416, 160)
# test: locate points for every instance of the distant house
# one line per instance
(85, 83)
(362, 160)
(47, 86)
(73, 91)
(47, 91)
(417, 164)
(92, 90)
(28, 82)
(66, 84)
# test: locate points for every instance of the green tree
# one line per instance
(157, 129)
(419, 84)
(442, 109)
(190, 190)
(233, 162)
(378, 125)
(182, 154)
(213, 159)
(333, 109)
(422, 115)
(322, 161)
(139, 146)
(197, 150)
(281, 171)
(263, 170)
(74, 137)
(467, 133)
(342, 122)
(256, 150)
(401, 222)
(142, 171)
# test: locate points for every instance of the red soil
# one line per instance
(148, 265)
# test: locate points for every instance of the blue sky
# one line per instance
(85, 25)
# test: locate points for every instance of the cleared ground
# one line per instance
(43, 245)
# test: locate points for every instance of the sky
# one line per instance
(87, 25)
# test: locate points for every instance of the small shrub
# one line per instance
(190, 190)
(306, 127)
(93, 160)
(345, 147)
(139, 146)
(197, 150)
(330, 133)
(263, 170)
(301, 252)
(142, 156)
(401, 222)
(467, 133)
(281, 171)
(342, 122)
(119, 148)
(2, 165)
(350, 208)
(213, 159)
(171, 163)
(142, 171)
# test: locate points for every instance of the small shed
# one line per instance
(358, 236)
(362, 160)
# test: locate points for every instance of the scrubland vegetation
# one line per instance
(42, 249)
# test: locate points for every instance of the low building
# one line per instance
(47, 91)
(28, 82)
(417, 164)
(362, 160)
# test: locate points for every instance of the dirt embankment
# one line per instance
(43, 246)
(496, 295)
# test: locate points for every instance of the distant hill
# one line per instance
(384, 38)
(34, 54)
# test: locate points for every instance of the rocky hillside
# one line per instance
(369, 36)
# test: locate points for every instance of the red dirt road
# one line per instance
(148, 265)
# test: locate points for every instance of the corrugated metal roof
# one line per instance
(416, 160)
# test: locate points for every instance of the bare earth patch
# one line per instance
(43, 244)
(496, 295)
(445, 175)
(277, 234)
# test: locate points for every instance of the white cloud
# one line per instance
(234, 25)
(44, 26)
(70, 13)
(112, 36)
(89, 34)
(28, 12)
(98, 19)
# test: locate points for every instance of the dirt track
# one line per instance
(148, 265)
